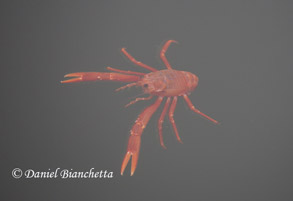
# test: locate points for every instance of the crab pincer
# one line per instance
(133, 152)
(95, 76)
(81, 77)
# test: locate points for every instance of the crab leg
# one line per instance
(191, 106)
(139, 99)
(171, 118)
(133, 60)
(126, 86)
(94, 76)
(161, 120)
(163, 51)
(135, 135)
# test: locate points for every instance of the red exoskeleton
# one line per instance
(167, 83)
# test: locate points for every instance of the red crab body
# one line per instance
(168, 83)
(161, 83)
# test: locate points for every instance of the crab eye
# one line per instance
(145, 85)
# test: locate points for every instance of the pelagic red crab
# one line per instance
(167, 83)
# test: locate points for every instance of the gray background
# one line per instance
(241, 52)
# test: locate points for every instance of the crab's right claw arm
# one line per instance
(94, 76)
(81, 77)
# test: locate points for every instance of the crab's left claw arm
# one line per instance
(135, 135)
(95, 76)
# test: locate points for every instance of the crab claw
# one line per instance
(95, 76)
(132, 150)
(82, 76)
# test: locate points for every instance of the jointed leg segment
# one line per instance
(126, 86)
(163, 51)
(191, 106)
(171, 118)
(161, 120)
(139, 99)
(131, 58)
